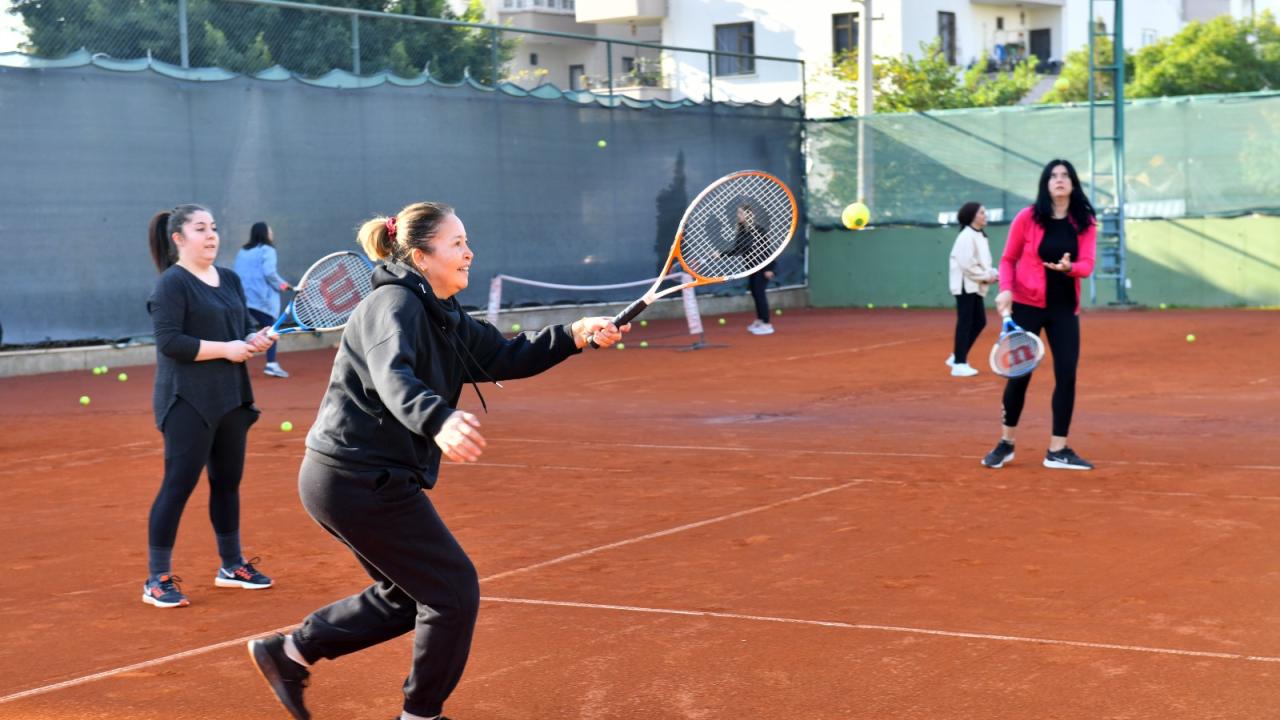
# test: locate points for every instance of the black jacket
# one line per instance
(400, 368)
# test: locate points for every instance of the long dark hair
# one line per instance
(259, 234)
(160, 233)
(1080, 210)
(967, 213)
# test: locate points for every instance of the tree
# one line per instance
(1212, 57)
(248, 38)
(928, 82)
(1220, 56)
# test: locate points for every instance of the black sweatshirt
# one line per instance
(184, 311)
(400, 368)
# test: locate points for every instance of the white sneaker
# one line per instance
(754, 324)
(963, 370)
(274, 370)
(761, 329)
(951, 360)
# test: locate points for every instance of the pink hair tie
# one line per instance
(391, 227)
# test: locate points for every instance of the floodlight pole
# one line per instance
(865, 100)
(184, 44)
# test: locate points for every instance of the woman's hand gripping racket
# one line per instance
(739, 224)
(327, 294)
(1017, 352)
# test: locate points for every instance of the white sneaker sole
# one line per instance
(232, 582)
(152, 601)
(997, 467)
(1063, 466)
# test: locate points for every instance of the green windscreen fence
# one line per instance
(1185, 157)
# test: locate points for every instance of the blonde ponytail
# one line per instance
(375, 239)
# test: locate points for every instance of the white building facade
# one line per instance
(994, 33)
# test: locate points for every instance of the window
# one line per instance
(999, 23)
(844, 33)
(628, 64)
(1148, 37)
(533, 58)
(576, 73)
(736, 38)
(947, 35)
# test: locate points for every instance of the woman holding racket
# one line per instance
(1051, 247)
(970, 275)
(387, 418)
(202, 400)
(256, 266)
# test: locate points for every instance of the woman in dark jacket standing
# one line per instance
(203, 402)
(387, 417)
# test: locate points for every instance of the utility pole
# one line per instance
(865, 100)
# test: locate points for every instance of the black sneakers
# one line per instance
(287, 678)
(1002, 454)
(1065, 459)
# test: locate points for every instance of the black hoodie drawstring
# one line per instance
(466, 369)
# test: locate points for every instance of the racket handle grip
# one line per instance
(627, 315)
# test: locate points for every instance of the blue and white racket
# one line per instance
(327, 294)
(1017, 352)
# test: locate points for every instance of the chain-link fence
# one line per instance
(312, 39)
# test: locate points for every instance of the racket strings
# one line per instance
(715, 244)
(331, 291)
(1017, 353)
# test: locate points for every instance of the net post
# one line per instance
(495, 300)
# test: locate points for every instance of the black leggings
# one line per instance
(423, 582)
(971, 318)
(1061, 326)
(758, 282)
(190, 446)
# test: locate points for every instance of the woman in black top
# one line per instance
(1051, 247)
(387, 418)
(202, 400)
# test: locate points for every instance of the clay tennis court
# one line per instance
(792, 526)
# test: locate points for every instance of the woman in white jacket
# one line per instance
(971, 274)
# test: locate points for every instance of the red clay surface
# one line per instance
(787, 526)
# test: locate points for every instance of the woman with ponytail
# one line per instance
(387, 418)
(202, 400)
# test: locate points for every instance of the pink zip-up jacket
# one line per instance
(1023, 272)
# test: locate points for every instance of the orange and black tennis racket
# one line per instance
(738, 225)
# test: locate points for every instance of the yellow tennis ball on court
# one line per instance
(855, 216)
(871, 306)
(602, 143)
(1163, 306)
(515, 327)
(122, 377)
(286, 426)
(1191, 338)
(621, 346)
(644, 323)
(905, 306)
(105, 369)
(97, 371)
(644, 343)
(721, 321)
(778, 311)
(84, 399)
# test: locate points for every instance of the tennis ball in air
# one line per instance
(122, 377)
(1191, 338)
(721, 321)
(621, 346)
(515, 327)
(84, 399)
(855, 216)
(286, 426)
(602, 144)
(644, 343)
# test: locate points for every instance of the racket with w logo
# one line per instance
(327, 294)
(736, 226)
(1017, 352)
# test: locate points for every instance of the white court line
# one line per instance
(137, 666)
(895, 629)
(855, 453)
(564, 558)
(69, 453)
(669, 531)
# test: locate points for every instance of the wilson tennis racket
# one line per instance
(1017, 352)
(736, 226)
(327, 294)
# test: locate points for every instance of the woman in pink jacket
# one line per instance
(1051, 247)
